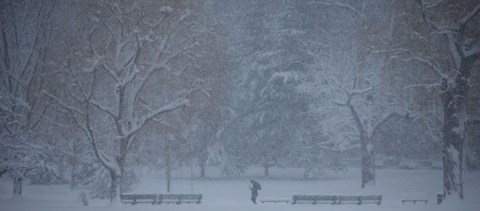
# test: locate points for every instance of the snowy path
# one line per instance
(233, 195)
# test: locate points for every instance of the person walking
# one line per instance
(254, 188)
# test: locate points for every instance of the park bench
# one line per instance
(274, 201)
(414, 197)
(314, 199)
(366, 199)
(179, 198)
(138, 198)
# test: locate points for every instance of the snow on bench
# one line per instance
(274, 201)
(338, 199)
(138, 198)
(179, 198)
(366, 199)
(314, 199)
(160, 198)
(414, 197)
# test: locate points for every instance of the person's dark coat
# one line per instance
(254, 188)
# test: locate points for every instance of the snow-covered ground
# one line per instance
(233, 195)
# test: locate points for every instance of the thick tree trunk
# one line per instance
(368, 163)
(114, 186)
(116, 174)
(455, 119)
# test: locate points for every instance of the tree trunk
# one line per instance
(122, 160)
(114, 186)
(368, 155)
(168, 169)
(203, 163)
(203, 167)
(17, 186)
(266, 170)
(368, 162)
(455, 119)
(73, 182)
(116, 174)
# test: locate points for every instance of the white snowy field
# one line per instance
(233, 195)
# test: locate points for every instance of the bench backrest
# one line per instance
(180, 196)
(168, 196)
(349, 198)
(192, 196)
(138, 196)
(371, 198)
(314, 198)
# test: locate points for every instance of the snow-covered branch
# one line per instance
(105, 109)
(454, 51)
(386, 116)
(470, 15)
(360, 91)
(64, 105)
(164, 109)
(411, 56)
(474, 52)
(439, 29)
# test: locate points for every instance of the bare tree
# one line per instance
(456, 36)
(26, 31)
(130, 74)
(355, 85)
